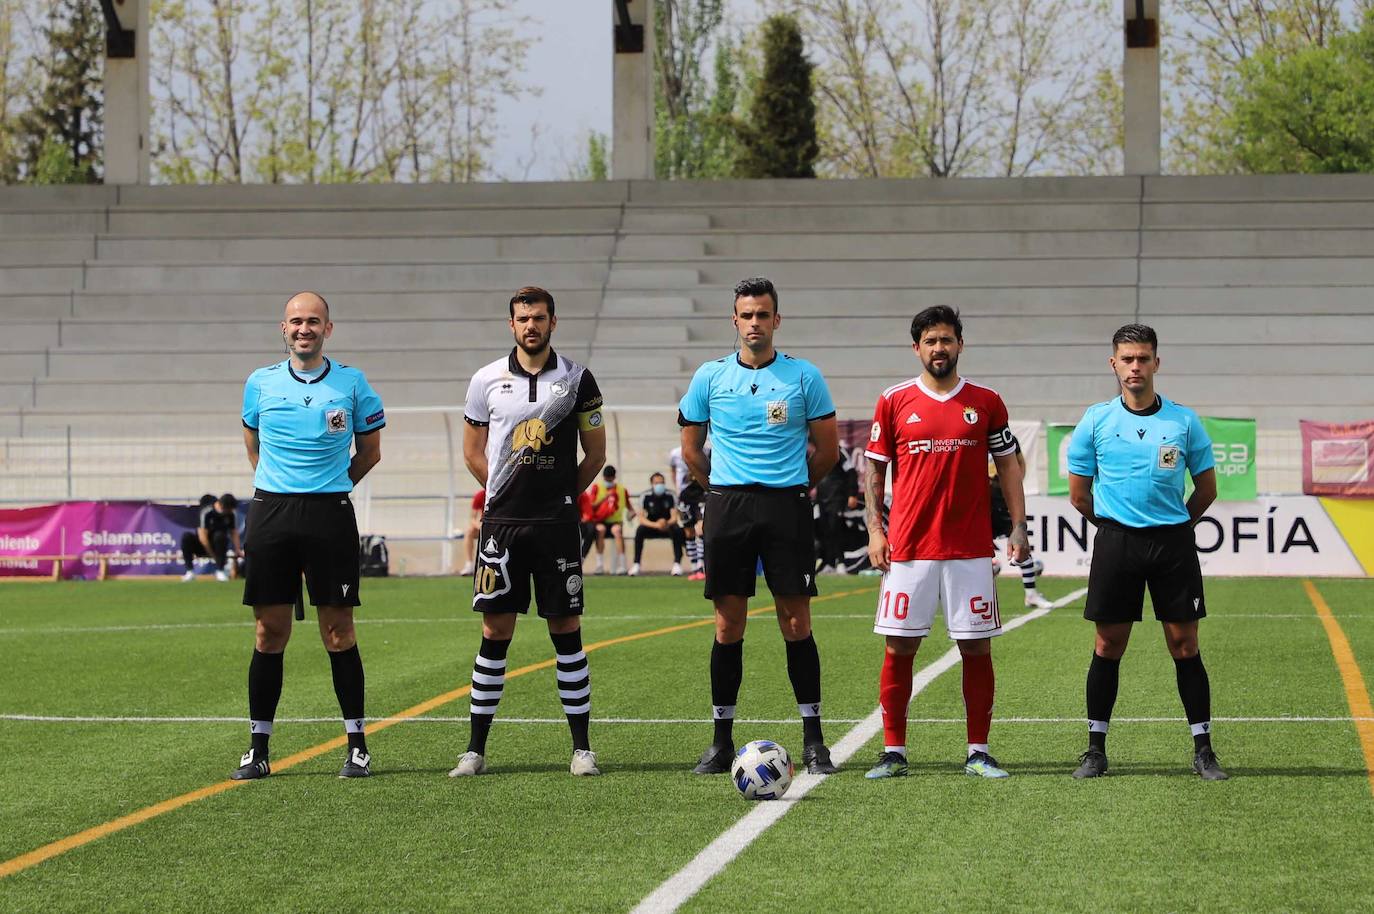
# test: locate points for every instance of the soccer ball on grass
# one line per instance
(762, 770)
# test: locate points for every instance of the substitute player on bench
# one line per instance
(526, 413)
(301, 418)
(1128, 460)
(937, 431)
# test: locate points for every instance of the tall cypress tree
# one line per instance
(779, 140)
(63, 127)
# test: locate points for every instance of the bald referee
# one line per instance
(301, 419)
(763, 408)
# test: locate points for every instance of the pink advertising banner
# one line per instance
(1338, 458)
(134, 537)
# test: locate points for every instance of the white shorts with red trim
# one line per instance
(912, 591)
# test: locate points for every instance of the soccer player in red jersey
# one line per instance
(937, 431)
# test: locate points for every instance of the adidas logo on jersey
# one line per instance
(912, 419)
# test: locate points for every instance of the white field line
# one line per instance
(463, 619)
(660, 721)
(686, 882)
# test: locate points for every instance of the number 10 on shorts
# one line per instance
(894, 605)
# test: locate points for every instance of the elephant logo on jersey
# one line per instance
(970, 415)
(1168, 456)
(531, 433)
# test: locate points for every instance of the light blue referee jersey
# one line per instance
(1139, 461)
(306, 425)
(758, 418)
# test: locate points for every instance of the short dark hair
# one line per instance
(207, 500)
(228, 501)
(933, 317)
(1135, 333)
(608, 472)
(531, 295)
(754, 288)
(653, 476)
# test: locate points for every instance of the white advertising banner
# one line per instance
(1276, 535)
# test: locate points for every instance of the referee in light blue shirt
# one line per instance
(1128, 461)
(763, 408)
(313, 429)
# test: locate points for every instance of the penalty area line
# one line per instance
(673, 892)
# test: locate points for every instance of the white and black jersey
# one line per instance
(533, 423)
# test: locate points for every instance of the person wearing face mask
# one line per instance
(659, 520)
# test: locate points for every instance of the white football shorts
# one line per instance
(913, 590)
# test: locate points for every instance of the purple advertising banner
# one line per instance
(137, 536)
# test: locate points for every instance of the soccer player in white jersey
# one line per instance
(526, 413)
(690, 495)
(937, 432)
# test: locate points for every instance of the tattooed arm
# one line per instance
(875, 484)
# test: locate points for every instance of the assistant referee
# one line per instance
(1128, 460)
(763, 407)
(301, 419)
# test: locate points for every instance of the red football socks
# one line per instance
(894, 694)
(979, 687)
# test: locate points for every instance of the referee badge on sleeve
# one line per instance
(1168, 456)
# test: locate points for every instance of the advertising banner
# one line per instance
(1057, 457)
(1233, 449)
(135, 537)
(1277, 535)
(1337, 458)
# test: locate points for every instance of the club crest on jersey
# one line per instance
(970, 415)
(877, 432)
(336, 421)
(1168, 456)
(531, 433)
(559, 388)
(776, 411)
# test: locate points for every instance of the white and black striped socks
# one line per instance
(574, 684)
(488, 684)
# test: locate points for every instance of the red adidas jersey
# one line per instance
(938, 445)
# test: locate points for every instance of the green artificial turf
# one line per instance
(1291, 831)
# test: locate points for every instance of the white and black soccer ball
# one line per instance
(762, 770)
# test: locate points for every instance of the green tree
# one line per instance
(67, 110)
(694, 132)
(1307, 111)
(779, 140)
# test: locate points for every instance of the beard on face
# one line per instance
(533, 348)
(944, 370)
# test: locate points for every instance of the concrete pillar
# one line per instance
(632, 130)
(128, 108)
(1140, 78)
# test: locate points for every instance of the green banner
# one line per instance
(1057, 451)
(1233, 449)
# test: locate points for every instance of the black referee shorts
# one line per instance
(509, 555)
(1127, 560)
(290, 535)
(748, 523)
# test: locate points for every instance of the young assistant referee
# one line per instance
(301, 419)
(1128, 460)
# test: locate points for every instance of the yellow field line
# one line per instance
(1356, 692)
(72, 842)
